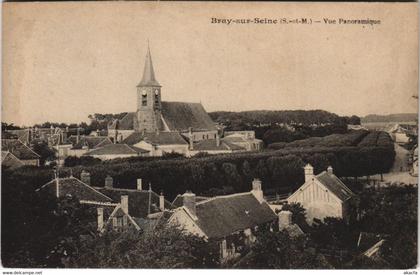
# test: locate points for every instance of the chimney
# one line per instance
(285, 219)
(97, 133)
(85, 177)
(217, 140)
(330, 170)
(78, 135)
(124, 203)
(116, 136)
(257, 190)
(52, 130)
(309, 172)
(189, 202)
(191, 138)
(100, 218)
(139, 184)
(109, 182)
(161, 202)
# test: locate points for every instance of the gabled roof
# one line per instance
(335, 185)
(161, 138)
(90, 141)
(22, 134)
(366, 240)
(221, 216)
(18, 149)
(125, 123)
(119, 212)
(76, 188)
(179, 116)
(148, 78)
(211, 145)
(138, 200)
(179, 200)
(9, 160)
(116, 149)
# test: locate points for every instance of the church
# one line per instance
(160, 126)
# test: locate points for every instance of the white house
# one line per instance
(323, 195)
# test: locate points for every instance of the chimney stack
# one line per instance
(285, 219)
(124, 203)
(78, 135)
(189, 202)
(100, 218)
(217, 140)
(109, 182)
(309, 172)
(85, 177)
(97, 133)
(191, 138)
(257, 190)
(161, 202)
(139, 184)
(330, 170)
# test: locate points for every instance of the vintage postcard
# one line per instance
(227, 135)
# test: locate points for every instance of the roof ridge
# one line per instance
(224, 197)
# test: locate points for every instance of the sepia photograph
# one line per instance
(209, 135)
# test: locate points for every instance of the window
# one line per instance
(156, 99)
(144, 100)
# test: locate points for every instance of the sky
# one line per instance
(64, 61)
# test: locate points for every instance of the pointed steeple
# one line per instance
(148, 72)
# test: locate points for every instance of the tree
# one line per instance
(164, 247)
(276, 250)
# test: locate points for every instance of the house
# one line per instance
(213, 146)
(116, 208)
(10, 161)
(158, 143)
(143, 202)
(82, 144)
(20, 151)
(113, 151)
(224, 218)
(154, 115)
(245, 139)
(323, 195)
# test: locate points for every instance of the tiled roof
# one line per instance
(335, 185)
(367, 239)
(221, 216)
(76, 188)
(125, 123)
(181, 115)
(161, 138)
(22, 135)
(18, 149)
(211, 145)
(90, 141)
(294, 230)
(179, 200)
(116, 149)
(9, 160)
(138, 200)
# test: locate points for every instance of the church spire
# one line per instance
(148, 72)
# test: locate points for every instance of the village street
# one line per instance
(400, 171)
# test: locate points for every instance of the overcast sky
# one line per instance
(64, 61)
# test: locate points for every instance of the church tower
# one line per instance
(148, 99)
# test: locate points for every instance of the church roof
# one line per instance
(161, 138)
(179, 116)
(148, 72)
